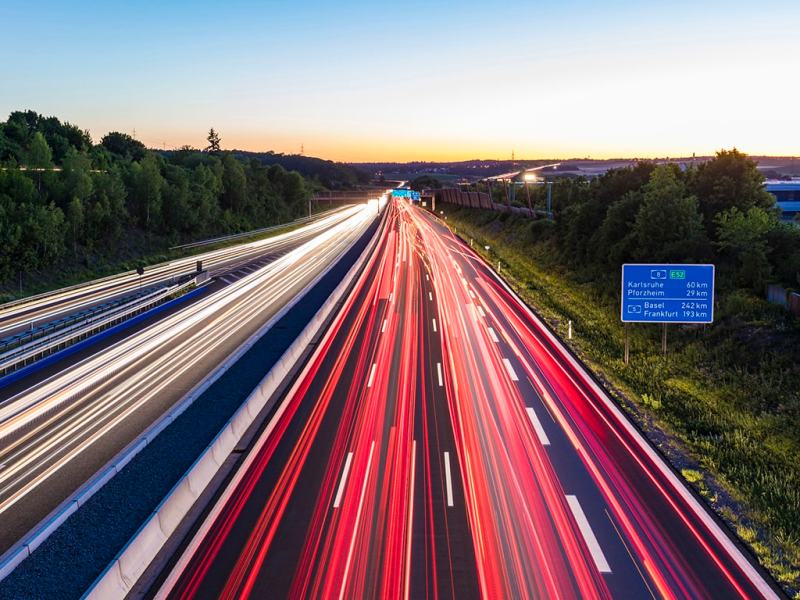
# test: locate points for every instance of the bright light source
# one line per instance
(530, 176)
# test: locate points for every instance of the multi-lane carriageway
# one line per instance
(59, 427)
(442, 443)
(223, 262)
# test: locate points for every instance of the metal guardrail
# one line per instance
(45, 329)
(62, 337)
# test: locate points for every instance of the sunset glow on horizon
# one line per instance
(354, 81)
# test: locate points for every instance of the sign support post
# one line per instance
(627, 345)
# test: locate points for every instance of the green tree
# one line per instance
(425, 182)
(42, 239)
(10, 225)
(75, 223)
(295, 194)
(214, 141)
(124, 146)
(204, 191)
(615, 241)
(731, 180)
(178, 215)
(106, 215)
(39, 154)
(742, 237)
(234, 186)
(586, 209)
(146, 188)
(668, 226)
(76, 175)
(8, 150)
(783, 243)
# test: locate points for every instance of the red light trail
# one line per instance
(440, 443)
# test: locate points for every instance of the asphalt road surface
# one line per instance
(63, 428)
(441, 443)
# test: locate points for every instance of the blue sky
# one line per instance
(440, 80)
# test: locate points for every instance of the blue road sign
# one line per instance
(667, 293)
(404, 193)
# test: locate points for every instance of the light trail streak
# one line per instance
(46, 427)
(504, 521)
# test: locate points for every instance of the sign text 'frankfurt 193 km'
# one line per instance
(667, 293)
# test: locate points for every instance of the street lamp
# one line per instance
(528, 177)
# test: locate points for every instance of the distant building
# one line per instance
(787, 196)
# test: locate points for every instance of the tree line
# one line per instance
(64, 198)
(717, 212)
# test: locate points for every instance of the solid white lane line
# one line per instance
(434, 325)
(510, 368)
(537, 426)
(439, 370)
(588, 535)
(447, 479)
(430, 296)
(471, 294)
(338, 499)
(372, 374)
(493, 335)
(480, 310)
(383, 327)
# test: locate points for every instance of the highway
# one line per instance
(62, 429)
(17, 316)
(441, 442)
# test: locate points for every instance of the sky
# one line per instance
(377, 81)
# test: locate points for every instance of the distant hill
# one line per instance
(771, 166)
(332, 175)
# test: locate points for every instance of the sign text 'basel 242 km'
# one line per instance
(667, 293)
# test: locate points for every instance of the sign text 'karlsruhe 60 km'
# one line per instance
(667, 293)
